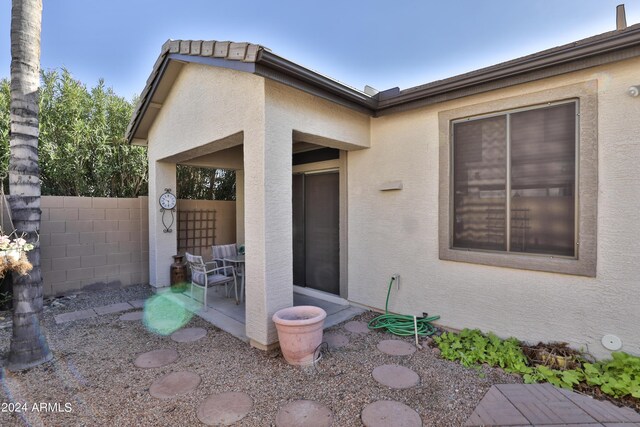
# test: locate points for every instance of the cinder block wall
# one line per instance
(94, 242)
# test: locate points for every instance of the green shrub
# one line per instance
(617, 377)
(564, 379)
(472, 346)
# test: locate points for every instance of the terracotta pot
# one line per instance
(300, 332)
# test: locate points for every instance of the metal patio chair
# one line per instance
(220, 252)
(202, 277)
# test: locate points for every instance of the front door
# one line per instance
(316, 234)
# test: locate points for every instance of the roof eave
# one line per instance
(590, 52)
(275, 67)
(627, 40)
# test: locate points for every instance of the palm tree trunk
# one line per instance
(28, 345)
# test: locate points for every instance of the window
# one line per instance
(514, 181)
(519, 181)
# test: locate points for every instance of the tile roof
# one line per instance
(592, 51)
(243, 52)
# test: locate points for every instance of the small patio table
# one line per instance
(238, 261)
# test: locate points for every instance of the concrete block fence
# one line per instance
(91, 242)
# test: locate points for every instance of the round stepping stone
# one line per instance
(189, 334)
(224, 408)
(304, 413)
(174, 384)
(396, 348)
(395, 376)
(156, 358)
(385, 413)
(335, 340)
(134, 315)
(357, 327)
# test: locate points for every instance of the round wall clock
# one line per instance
(167, 204)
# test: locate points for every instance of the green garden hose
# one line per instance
(400, 324)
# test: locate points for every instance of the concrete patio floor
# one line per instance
(225, 314)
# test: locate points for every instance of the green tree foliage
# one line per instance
(5, 100)
(205, 184)
(83, 151)
(82, 147)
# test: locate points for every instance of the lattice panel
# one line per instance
(196, 231)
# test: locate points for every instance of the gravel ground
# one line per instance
(93, 371)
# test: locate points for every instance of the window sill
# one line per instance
(536, 262)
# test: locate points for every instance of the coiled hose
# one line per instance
(400, 324)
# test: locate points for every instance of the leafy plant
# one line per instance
(472, 346)
(564, 379)
(616, 377)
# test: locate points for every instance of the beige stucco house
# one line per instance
(506, 199)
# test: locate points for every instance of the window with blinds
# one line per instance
(514, 181)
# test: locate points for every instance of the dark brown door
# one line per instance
(316, 237)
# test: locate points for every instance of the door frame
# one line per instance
(339, 165)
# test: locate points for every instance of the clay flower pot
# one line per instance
(300, 332)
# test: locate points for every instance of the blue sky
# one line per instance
(380, 43)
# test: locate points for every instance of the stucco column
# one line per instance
(161, 245)
(240, 206)
(268, 230)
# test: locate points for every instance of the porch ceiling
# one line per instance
(225, 153)
(311, 140)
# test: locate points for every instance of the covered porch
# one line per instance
(267, 135)
(327, 276)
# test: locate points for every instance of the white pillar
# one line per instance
(268, 230)
(161, 245)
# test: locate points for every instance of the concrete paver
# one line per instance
(74, 315)
(224, 408)
(134, 315)
(357, 327)
(384, 413)
(306, 413)
(174, 384)
(546, 405)
(189, 334)
(396, 376)
(138, 303)
(396, 348)
(335, 339)
(156, 358)
(113, 308)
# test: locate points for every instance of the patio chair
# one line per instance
(220, 252)
(202, 277)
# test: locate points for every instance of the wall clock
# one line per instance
(167, 204)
